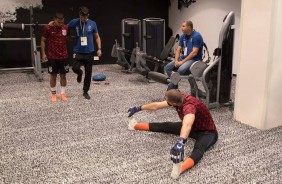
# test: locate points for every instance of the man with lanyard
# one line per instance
(56, 34)
(196, 122)
(191, 43)
(83, 51)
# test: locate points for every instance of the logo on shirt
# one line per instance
(64, 32)
(89, 28)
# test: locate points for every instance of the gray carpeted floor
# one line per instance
(87, 141)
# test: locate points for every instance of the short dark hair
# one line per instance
(59, 15)
(83, 10)
(173, 96)
(189, 23)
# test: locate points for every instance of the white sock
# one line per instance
(53, 90)
(176, 170)
(132, 123)
(63, 89)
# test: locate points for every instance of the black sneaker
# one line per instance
(86, 95)
(79, 77)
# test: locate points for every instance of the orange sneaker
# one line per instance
(63, 97)
(54, 98)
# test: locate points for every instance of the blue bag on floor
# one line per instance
(99, 77)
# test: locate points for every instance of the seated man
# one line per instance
(191, 43)
(196, 122)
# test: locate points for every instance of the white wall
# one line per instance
(252, 75)
(274, 106)
(207, 17)
(258, 94)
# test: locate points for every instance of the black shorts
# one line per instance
(57, 66)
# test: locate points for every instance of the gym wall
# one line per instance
(107, 14)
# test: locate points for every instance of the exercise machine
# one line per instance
(153, 36)
(35, 54)
(215, 76)
(154, 49)
(151, 47)
(131, 35)
(159, 62)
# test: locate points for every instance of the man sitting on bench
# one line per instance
(191, 43)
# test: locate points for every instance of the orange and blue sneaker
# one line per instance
(54, 98)
(64, 97)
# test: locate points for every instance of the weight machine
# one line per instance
(131, 35)
(151, 48)
(215, 76)
(35, 54)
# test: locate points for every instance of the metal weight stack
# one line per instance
(131, 33)
(153, 36)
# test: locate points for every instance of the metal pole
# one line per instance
(14, 39)
(31, 37)
(35, 24)
(144, 36)
(164, 33)
(13, 69)
(122, 32)
(35, 55)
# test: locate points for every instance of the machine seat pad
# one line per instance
(197, 69)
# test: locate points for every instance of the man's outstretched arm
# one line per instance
(150, 106)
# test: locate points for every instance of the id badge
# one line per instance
(185, 51)
(83, 41)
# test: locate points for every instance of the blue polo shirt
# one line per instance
(83, 29)
(193, 40)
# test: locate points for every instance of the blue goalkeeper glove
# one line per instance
(133, 110)
(177, 151)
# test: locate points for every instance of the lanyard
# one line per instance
(82, 28)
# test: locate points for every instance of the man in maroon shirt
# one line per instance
(196, 122)
(56, 35)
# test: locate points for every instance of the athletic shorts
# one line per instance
(57, 66)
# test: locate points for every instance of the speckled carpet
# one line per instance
(87, 141)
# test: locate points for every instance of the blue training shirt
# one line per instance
(193, 40)
(83, 29)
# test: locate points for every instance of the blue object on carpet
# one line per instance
(99, 77)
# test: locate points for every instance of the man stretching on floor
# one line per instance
(196, 123)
